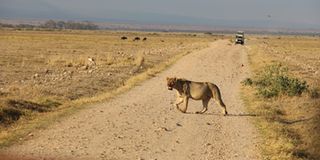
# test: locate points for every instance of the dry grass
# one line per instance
(51, 70)
(289, 125)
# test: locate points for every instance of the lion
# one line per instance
(195, 90)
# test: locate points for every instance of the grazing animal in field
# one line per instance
(145, 38)
(195, 90)
(136, 39)
(124, 37)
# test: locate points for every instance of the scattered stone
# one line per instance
(47, 71)
(122, 149)
(69, 65)
(36, 75)
(92, 61)
(163, 129)
(85, 67)
(179, 125)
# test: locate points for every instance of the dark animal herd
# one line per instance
(135, 39)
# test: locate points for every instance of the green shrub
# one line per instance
(247, 82)
(273, 81)
(268, 92)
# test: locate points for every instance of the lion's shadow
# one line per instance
(244, 115)
(229, 115)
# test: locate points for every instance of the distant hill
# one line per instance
(168, 27)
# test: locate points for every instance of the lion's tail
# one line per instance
(216, 95)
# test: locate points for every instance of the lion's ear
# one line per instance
(167, 78)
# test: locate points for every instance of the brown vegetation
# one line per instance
(288, 122)
(42, 72)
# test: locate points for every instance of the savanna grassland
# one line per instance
(284, 93)
(44, 72)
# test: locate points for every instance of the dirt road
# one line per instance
(144, 124)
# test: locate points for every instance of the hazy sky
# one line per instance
(245, 13)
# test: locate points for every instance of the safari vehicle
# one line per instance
(240, 37)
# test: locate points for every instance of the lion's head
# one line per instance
(171, 82)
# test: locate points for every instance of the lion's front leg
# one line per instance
(186, 100)
(179, 100)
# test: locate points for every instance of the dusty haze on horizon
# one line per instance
(294, 14)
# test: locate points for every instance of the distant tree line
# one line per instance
(86, 25)
(51, 24)
(17, 26)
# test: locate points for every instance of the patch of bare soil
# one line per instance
(144, 124)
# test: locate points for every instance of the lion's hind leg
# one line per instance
(205, 106)
(219, 101)
(216, 95)
(223, 107)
